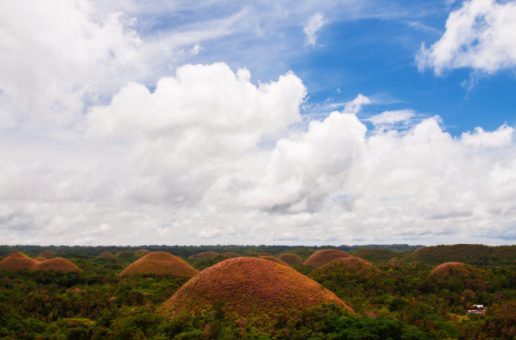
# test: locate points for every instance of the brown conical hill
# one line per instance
(456, 276)
(205, 255)
(346, 267)
(324, 256)
(141, 252)
(291, 259)
(273, 259)
(160, 263)
(16, 261)
(106, 255)
(451, 268)
(47, 254)
(249, 288)
(57, 264)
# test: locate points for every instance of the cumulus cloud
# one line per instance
(479, 35)
(312, 26)
(60, 56)
(209, 97)
(208, 156)
(502, 136)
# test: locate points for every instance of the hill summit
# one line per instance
(247, 288)
(160, 263)
(17, 261)
(324, 256)
(56, 264)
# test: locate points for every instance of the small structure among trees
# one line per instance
(476, 310)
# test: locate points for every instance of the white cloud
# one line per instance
(388, 119)
(312, 26)
(479, 35)
(209, 97)
(498, 138)
(58, 57)
(104, 141)
(209, 157)
(354, 106)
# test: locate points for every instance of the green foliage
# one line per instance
(468, 253)
(400, 302)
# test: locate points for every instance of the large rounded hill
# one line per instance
(47, 254)
(106, 255)
(351, 268)
(248, 288)
(160, 264)
(17, 261)
(456, 276)
(291, 259)
(324, 256)
(57, 264)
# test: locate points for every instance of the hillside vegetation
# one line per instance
(413, 295)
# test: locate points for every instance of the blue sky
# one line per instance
(225, 122)
(370, 51)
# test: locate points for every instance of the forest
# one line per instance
(258, 292)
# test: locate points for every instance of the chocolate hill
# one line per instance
(160, 263)
(273, 259)
(249, 288)
(324, 256)
(451, 268)
(47, 254)
(456, 276)
(16, 261)
(56, 264)
(291, 259)
(141, 252)
(106, 255)
(205, 255)
(352, 268)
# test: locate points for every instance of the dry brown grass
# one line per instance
(160, 263)
(291, 259)
(17, 261)
(57, 264)
(248, 288)
(205, 255)
(324, 256)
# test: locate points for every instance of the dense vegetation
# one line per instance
(396, 300)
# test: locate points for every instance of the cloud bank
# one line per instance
(103, 140)
(208, 156)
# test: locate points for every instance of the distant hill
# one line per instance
(468, 253)
(376, 254)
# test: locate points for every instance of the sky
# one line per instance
(254, 122)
